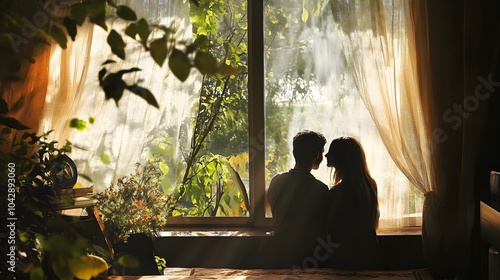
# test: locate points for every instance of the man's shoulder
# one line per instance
(295, 178)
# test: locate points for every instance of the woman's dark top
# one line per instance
(350, 223)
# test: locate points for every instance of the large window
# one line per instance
(310, 84)
(220, 139)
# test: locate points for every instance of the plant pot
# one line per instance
(140, 247)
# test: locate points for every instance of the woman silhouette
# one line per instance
(353, 214)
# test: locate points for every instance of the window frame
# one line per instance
(256, 134)
(257, 152)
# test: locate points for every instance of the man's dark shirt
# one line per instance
(299, 205)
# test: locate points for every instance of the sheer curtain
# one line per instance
(114, 142)
(378, 41)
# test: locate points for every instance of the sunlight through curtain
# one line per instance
(347, 68)
(120, 135)
(378, 40)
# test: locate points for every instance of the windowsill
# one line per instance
(243, 232)
(215, 232)
(415, 230)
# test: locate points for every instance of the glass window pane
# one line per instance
(309, 86)
(213, 141)
(198, 137)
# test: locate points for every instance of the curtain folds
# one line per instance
(379, 45)
(25, 97)
(121, 134)
(457, 43)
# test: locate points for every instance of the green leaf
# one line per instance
(78, 124)
(12, 123)
(164, 168)
(37, 273)
(126, 13)
(206, 63)
(58, 35)
(113, 87)
(4, 107)
(201, 42)
(109, 61)
(128, 261)
(116, 43)
(305, 14)
(143, 31)
(158, 49)
(113, 84)
(61, 268)
(145, 94)
(5, 131)
(179, 64)
(101, 75)
(132, 30)
(97, 13)
(227, 70)
(70, 25)
(79, 13)
(105, 158)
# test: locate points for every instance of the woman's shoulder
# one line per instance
(340, 187)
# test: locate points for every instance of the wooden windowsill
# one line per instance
(243, 232)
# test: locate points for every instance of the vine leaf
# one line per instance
(132, 30)
(96, 11)
(126, 13)
(145, 94)
(59, 35)
(12, 123)
(70, 25)
(143, 31)
(109, 61)
(227, 70)
(158, 49)
(116, 43)
(305, 15)
(179, 64)
(206, 63)
(79, 13)
(201, 42)
(78, 124)
(114, 86)
(4, 107)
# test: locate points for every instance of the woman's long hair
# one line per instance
(348, 158)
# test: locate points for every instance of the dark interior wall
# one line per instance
(397, 252)
(484, 55)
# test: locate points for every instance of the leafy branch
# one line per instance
(51, 21)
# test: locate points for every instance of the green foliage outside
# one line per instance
(208, 181)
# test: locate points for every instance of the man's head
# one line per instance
(308, 147)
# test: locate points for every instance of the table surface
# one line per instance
(274, 274)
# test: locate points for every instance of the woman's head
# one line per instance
(347, 156)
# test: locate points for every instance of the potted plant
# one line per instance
(41, 244)
(133, 212)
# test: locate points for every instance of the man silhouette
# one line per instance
(298, 202)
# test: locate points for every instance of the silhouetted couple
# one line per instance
(320, 227)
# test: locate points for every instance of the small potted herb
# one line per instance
(133, 208)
